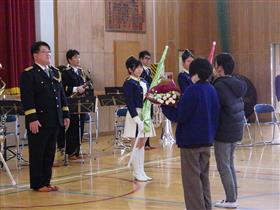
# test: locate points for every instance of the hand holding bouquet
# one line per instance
(165, 93)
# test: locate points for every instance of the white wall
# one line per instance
(44, 21)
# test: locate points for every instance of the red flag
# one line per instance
(212, 52)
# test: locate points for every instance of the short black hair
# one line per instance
(202, 67)
(226, 61)
(143, 53)
(187, 53)
(35, 48)
(71, 53)
(132, 63)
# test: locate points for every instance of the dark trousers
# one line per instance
(41, 156)
(195, 177)
(61, 138)
(73, 135)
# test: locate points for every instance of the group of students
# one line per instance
(206, 114)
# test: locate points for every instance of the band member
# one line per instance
(134, 90)
(145, 59)
(73, 80)
(184, 79)
(61, 136)
(46, 111)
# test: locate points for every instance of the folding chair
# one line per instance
(17, 153)
(266, 109)
(119, 141)
(246, 127)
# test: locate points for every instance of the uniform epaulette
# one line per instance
(57, 77)
(55, 68)
(28, 68)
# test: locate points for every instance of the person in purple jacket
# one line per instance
(197, 115)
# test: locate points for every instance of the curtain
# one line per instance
(223, 24)
(17, 33)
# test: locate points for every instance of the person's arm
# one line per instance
(68, 86)
(27, 97)
(65, 108)
(129, 94)
(187, 105)
(170, 112)
(221, 93)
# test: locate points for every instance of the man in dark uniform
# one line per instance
(45, 107)
(73, 79)
(145, 59)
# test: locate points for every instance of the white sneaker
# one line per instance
(226, 204)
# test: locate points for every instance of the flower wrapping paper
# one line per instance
(166, 92)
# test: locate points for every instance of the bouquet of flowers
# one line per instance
(165, 93)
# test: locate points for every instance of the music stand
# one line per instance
(106, 100)
(113, 90)
(12, 107)
(82, 105)
(116, 100)
(119, 99)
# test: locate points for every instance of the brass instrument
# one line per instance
(3, 84)
(87, 85)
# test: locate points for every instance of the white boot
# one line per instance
(142, 159)
(137, 168)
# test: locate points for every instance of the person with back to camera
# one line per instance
(230, 128)
(135, 89)
(197, 115)
(184, 79)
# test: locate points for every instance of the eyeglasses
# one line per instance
(45, 52)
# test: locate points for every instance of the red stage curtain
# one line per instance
(17, 33)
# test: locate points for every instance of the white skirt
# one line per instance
(130, 127)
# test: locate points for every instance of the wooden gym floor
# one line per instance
(104, 182)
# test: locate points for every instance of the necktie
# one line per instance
(47, 71)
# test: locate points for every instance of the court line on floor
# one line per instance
(82, 202)
(154, 200)
(88, 173)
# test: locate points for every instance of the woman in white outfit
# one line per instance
(135, 89)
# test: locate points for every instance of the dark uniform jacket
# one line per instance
(184, 80)
(133, 93)
(70, 79)
(230, 91)
(43, 97)
(146, 75)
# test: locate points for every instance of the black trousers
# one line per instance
(41, 155)
(61, 138)
(73, 134)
